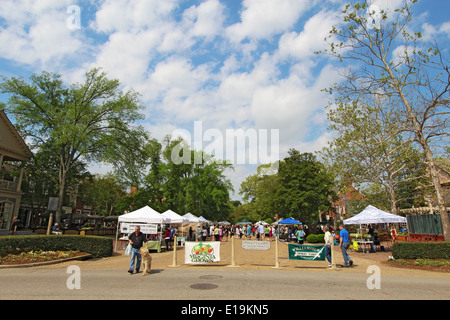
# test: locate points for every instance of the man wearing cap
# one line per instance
(136, 239)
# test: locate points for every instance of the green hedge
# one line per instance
(315, 238)
(99, 247)
(421, 250)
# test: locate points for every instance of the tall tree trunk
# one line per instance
(392, 194)
(62, 190)
(418, 130)
(431, 167)
(439, 193)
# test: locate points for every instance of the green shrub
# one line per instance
(421, 250)
(99, 247)
(312, 238)
(321, 238)
(315, 238)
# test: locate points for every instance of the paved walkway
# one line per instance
(255, 260)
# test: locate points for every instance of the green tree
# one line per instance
(371, 149)
(199, 187)
(306, 186)
(260, 195)
(104, 192)
(81, 122)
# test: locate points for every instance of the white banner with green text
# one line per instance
(202, 252)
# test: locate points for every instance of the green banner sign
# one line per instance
(306, 252)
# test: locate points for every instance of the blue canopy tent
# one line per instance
(289, 221)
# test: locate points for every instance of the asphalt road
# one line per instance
(216, 284)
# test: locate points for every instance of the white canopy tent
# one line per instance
(203, 220)
(192, 218)
(372, 215)
(175, 217)
(145, 215)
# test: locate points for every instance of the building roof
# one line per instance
(12, 145)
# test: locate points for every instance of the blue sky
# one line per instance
(227, 63)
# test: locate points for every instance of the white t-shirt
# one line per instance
(261, 229)
(328, 238)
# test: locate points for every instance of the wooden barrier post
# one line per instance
(277, 260)
(174, 260)
(50, 221)
(333, 258)
(233, 262)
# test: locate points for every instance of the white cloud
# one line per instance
(127, 56)
(294, 106)
(266, 18)
(445, 28)
(207, 18)
(303, 45)
(430, 32)
(132, 15)
(36, 33)
(189, 62)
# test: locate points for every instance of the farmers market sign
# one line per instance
(306, 252)
(145, 228)
(202, 252)
(256, 245)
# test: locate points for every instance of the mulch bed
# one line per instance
(410, 264)
(26, 258)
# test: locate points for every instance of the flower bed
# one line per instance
(37, 256)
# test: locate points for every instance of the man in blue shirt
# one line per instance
(345, 244)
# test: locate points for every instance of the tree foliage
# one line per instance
(386, 58)
(199, 188)
(302, 188)
(307, 187)
(371, 149)
(84, 122)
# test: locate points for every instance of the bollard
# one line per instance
(174, 260)
(277, 260)
(333, 261)
(233, 262)
(50, 221)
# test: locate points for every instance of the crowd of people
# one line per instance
(260, 232)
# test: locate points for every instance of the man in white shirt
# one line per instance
(211, 232)
(328, 242)
(261, 232)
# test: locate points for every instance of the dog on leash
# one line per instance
(146, 260)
